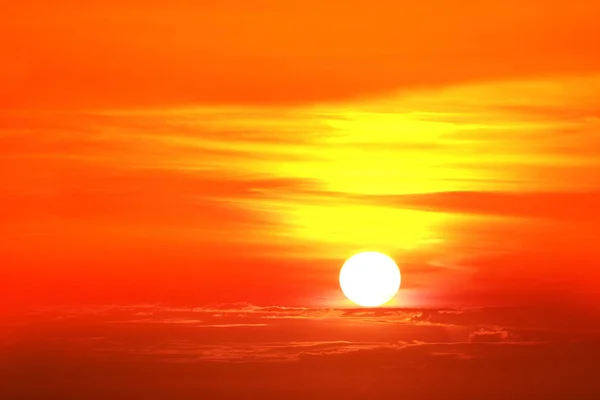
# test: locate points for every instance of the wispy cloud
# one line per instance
(220, 349)
(446, 180)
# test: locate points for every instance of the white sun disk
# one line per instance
(370, 279)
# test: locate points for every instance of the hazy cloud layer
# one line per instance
(224, 349)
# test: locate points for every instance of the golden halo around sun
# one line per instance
(370, 279)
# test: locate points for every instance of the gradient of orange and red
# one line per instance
(180, 183)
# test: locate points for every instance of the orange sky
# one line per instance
(181, 181)
(241, 151)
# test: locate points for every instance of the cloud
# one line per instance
(474, 197)
(276, 327)
(421, 372)
(542, 205)
(424, 353)
(489, 335)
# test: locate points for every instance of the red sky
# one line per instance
(184, 154)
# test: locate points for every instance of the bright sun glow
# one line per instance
(370, 279)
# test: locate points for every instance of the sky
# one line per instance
(181, 182)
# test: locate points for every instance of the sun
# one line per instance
(370, 279)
